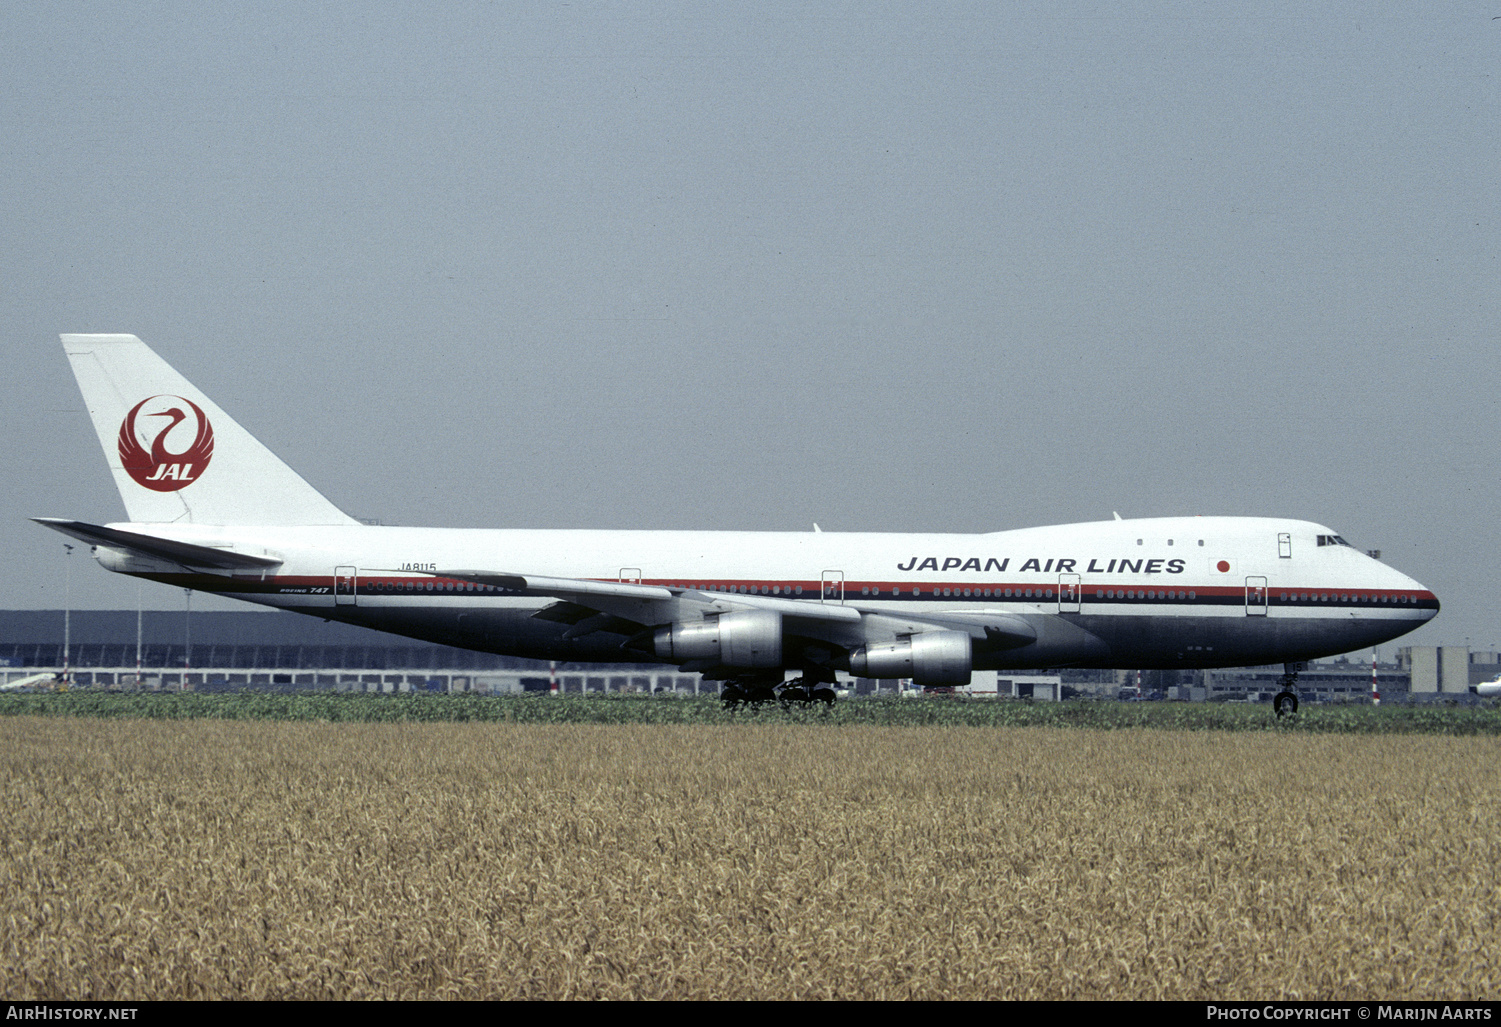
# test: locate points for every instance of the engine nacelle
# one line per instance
(745, 638)
(929, 658)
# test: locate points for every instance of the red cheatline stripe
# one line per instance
(856, 590)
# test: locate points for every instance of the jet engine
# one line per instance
(745, 638)
(929, 658)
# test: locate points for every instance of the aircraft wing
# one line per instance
(564, 588)
(1001, 630)
(626, 608)
(185, 553)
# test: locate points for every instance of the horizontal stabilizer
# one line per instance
(158, 548)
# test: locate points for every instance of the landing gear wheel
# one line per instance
(759, 694)
(1286, 701)
(731, 696)
(823, 694)
(794, 693)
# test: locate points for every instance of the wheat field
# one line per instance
(233, 859)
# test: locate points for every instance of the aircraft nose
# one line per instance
(1427, 601)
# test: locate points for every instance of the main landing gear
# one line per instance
(808, 689)
(739, 692)
(1286, 701)
(812, 687)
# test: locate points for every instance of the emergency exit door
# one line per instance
(1068, 593)
(1255, 597)
(345, 583)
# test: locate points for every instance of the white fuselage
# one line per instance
(1166, 592)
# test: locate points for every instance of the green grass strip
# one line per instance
(643, 709)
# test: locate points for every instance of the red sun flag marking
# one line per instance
(149, 424)
(1224, 566)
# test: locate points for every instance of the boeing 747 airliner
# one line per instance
(212, 509)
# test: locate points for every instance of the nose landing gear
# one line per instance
(1285, 702)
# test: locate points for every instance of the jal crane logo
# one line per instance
(150, 427)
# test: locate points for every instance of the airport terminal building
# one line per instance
(234, 650)
(230, 651)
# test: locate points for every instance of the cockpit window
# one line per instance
(1332, 540)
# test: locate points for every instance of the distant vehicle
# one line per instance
(30, 683)
(1487, 689)
(212, 509)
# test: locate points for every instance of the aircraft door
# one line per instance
(345, 583)
(1284, 545)
(833, 586)
(1255, 597)
(1068, 593)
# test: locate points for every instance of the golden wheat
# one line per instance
(151, 860)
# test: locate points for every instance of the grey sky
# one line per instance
(951, 267)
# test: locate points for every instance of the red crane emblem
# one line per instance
(159, 468)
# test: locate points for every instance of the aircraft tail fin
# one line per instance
(175, 455)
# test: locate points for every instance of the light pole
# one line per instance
(187, 636)
(67, 608)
